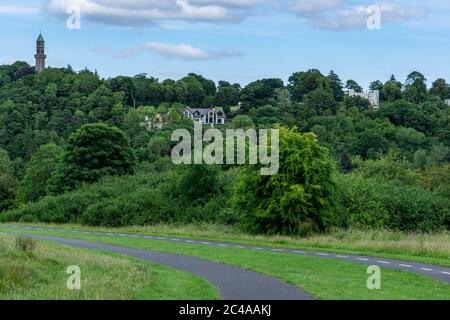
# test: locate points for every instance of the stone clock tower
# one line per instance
(40, 54)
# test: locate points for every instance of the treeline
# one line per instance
(386, 168)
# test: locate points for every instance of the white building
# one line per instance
(447, 102)
(212, 116)
(372, 96)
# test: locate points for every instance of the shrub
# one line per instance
(377, 203)
(197, 182)
(151, 197)
(387, 168)
(437, 178)
(24, 244)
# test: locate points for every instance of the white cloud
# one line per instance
(312, 7)
(344, 14)
(357, 16)
(180, 51)
(146, 12)
(20, 10)
(229, 3)
(323, 14)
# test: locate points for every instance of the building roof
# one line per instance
(40, 38)
(204, 111)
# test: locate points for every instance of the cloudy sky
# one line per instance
(233, 40)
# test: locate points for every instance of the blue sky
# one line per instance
(233, 40)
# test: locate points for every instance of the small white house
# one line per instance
(372, 96)
(447, 102)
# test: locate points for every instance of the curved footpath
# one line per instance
(437, 272)
(233, 283)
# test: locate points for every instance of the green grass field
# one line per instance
(41, 274)
(323, 278)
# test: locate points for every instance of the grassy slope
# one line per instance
(42, 275)
(324, 278)
(426, 248)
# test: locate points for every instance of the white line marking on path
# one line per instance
(208, 243)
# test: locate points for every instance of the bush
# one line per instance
(142, 199)
(377, 203)
(197, 182)
(24, 244)
(387, 168)
(437, 178)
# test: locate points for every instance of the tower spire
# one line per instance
(40, 53)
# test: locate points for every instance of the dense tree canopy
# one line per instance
(60, 129)
(353, 85)
(416, 87)
(95, 151)
(259, 93)
(44, 163)
(302, 83)
(336, 86)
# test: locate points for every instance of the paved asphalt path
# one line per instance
(433, 271)
(233, 283)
